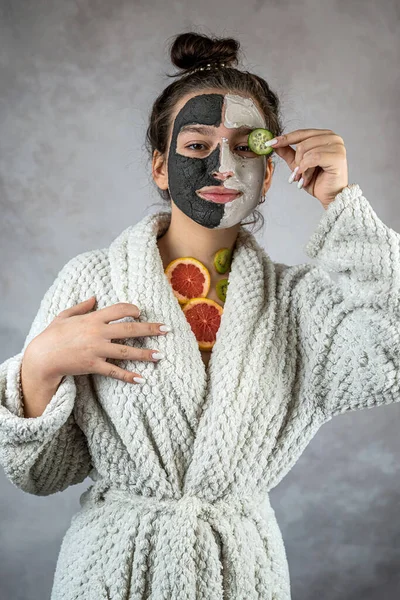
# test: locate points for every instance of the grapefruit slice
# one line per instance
(204, 317)
(189, 278)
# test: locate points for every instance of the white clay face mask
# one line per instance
(187, 175)
(248, 173)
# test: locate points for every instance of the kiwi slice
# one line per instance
(222, 287)
(222, 260)
(257, 139)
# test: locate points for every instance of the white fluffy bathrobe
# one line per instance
(182, 465)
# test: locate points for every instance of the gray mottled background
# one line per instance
(76, 83)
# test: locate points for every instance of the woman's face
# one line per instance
(208, 148)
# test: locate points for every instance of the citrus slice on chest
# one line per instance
(189, 278)
(204, 317)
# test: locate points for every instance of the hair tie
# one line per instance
(208, 67)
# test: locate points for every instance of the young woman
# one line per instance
(183, 458)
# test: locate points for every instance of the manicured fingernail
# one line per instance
(157, 355)
(139, 379)
(165, 328)
(293, 175)
(300, 183)
(271, 142)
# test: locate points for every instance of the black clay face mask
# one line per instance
(188, 174)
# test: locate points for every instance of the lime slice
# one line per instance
(257, 139)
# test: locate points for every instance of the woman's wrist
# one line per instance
(40, 389)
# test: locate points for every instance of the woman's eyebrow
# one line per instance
(209, 129)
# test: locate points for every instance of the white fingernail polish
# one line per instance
(293, 175)
(157, 355)
(271, 142)
(139, 379)
(300, 183)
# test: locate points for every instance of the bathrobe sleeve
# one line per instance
(45, 454)
(349, 329)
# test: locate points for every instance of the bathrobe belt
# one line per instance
(179, 531)
(187, 504)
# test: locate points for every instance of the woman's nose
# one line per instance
(222, 176)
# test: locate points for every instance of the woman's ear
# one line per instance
(159, 170)
(268, 175)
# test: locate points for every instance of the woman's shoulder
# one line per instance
(85, 263)
(94, 271)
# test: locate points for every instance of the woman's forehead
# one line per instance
(200, 108)
(211, 108)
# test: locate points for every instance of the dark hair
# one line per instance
(191, 50)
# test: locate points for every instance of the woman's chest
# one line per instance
(205, 356)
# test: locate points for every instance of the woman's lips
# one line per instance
(216, 195)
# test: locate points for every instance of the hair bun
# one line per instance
(191, 50)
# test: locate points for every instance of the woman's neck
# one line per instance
(185, 237)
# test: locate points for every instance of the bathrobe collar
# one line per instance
(214, 397)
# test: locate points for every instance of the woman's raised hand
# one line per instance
(319, 161)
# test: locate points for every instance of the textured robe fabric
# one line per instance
(182, 465)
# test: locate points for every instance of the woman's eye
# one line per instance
(198, 146)
(194, 144)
